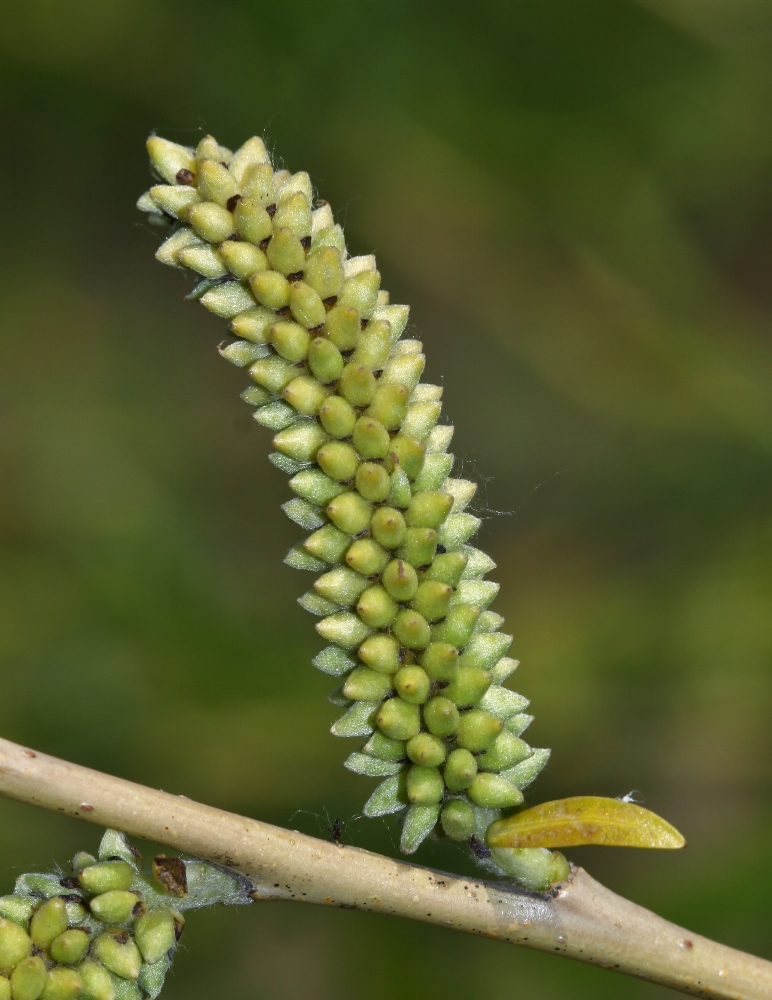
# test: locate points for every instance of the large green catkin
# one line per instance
(400, 590)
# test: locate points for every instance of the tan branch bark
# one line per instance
(580, 920)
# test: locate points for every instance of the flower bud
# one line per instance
(326, 363)
(338, 460)
(97, 984)
(460, 770)
(357, 384)
(62, 984)
(70, 946)
(535, 868)
(213, 223)
(398, 720)
(117, 951)
(28, 978)
(400, 489)
(243, 260)
(300, 440)
(376, 608)
(507, 751)
(258, 184)
(388, 527)
(457, 819)
(175, 199)
(400, 580)
(477, 730)
(374, 345)
(381, 652)
(491, 791)
(323, 271)
(344, 629)
(273, 373)
(428, 510)
(48, 922)
(408, 454)
(427, 750)
(294, 213)
(361, 292)
(457, 626)
(441, 717)
(253, 324)
(285, 252)
(388, 404)
(367, 557)
(447, 568)
(364, 684)
(337, 416)
(424, 785)
(5, 988)
(209, 149)
(15, 945)
(155, 935)
(417, 825)
(384, 748)
(216, 182)
(432, 600)
(411, 629)
(404, 369)
(328, 544)
(421, 418)
(349, 512)
(341, 585)
(419, 547)
(412, 685)
(342, 327)
(16, 908)
(270, 288)
(372, 481)
(458, 529)
(305, 305)
(114, 907)
(169, 158)
(370, 438)
(468, 686)
(290, 340)
(227, 300)
(440, 661)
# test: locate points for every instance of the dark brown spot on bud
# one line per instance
(171, 874)
(305, 242)
(69, 883)
(295, 276)
(271, 210)
(232, 202)
(330, 302)
(122, 937)
(138, 909)
(441, 550)
(263, 244)
(235, 238)
(71, 897)
(317, 329)
(284, 311)
(185, 176)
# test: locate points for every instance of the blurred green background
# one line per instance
(574, 196)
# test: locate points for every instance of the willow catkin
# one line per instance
(105, 930)
(400, 591)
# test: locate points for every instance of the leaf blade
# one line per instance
(585, 819)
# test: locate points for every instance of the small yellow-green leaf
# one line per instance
(584, 819)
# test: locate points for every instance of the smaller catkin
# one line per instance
(104, 931)
(400, 590)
